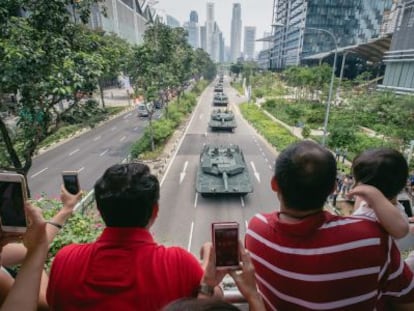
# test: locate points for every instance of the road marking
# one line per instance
(181, 141)
(127, 116)
(103, 153)
(266, 160)
(242, 201)
(201, 116)
(256, 174)
(182, 174)
(113, 128)
(205, 134)
(73, 152)
(191, 236)
(263, 154)
(39, 172)
(195, 200)
(81, 169)
(270, 167)
(122, 138)
(97, 138)
(136, 128)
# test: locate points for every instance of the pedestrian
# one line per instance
(344, 153)
(337, 154)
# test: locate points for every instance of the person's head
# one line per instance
(193, 304)
(384, 168)
(127, 195)
(305, 174)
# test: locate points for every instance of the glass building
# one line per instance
(399, 72)
(350, 21)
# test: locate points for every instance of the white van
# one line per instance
(143, 109)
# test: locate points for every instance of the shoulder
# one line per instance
(71, 251)
(175, 253)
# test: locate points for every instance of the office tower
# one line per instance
(194, 17)
(249, 42)
(267, 44)
(399, 72)
(210, 28)
(193, 30)
(236, 32)
(172, 21)
(203, 38)
(351, 22)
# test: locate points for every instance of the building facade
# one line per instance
(351, 22)
(171, 21)
(193, 30)
(236, 32)
(203, 38)
(127, 18)
(210, 24)
(399, 72)
(249, 42)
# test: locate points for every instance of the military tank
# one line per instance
(220, 99)
(218, 87)
(222, 120)
(223, 171)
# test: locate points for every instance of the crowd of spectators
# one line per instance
(300, 257)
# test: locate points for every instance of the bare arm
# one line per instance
(388, 215)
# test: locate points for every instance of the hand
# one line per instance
(245, 280)
(367, 193)
(35, 235)
(69, 200)
(212, 276)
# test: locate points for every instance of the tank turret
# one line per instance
(222, 120)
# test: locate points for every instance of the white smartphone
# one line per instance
(71, 181)
(12, 198)
(226, 244)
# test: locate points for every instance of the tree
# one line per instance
(45, 59)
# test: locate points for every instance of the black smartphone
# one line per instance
(71, 181)
(226, 244)
(12, 198)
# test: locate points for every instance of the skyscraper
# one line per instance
(193, 30)
(203, 38)
(172, 21)
(249, 42)
(236, 32)
(210, 28)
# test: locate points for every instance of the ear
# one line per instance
(155, 210)
(274, 184)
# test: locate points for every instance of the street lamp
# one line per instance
(328, 104)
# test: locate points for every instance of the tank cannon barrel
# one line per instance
(226, 181)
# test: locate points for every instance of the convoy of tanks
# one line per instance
(223, 169)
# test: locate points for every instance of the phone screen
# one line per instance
(71, 183)
(12, 204)
(226, 243)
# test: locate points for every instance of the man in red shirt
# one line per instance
(124, 269)
(308, 259)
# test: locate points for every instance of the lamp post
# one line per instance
(328, 104)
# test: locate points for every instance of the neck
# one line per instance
(297, 216)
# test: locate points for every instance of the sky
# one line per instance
(254, 13)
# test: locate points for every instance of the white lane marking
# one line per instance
(266, 160)
(113, 128)
(73, 152)
(270, 167)
(195, 200)
(128, 115)
(201, 116)
(242, 201)
(180, 143)
(136, 128)
(122, 138)
(205, 134)
(81, 169)
(103, 153)
(38, 173)
(247, 224)
(256, 174)
(97, 138)
(182, 174)
(191, 236)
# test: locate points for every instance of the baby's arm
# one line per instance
(388, 215)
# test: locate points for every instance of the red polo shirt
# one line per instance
(123, 270)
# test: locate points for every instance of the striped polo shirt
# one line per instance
(327, 262)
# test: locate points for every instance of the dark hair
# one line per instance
(193, 304)
(384, 168)
(125, 195)
(306, 174)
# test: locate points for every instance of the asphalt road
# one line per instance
(185, 217)
(89, 154)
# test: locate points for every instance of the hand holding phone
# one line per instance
(226, 245)
(12, 199)
(71, 181)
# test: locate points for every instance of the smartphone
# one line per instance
(12, 197)
(71, 181)
(225, 237)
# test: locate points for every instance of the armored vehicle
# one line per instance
(222, 120)
(218, 88)
(223, 171)
(220, 99)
